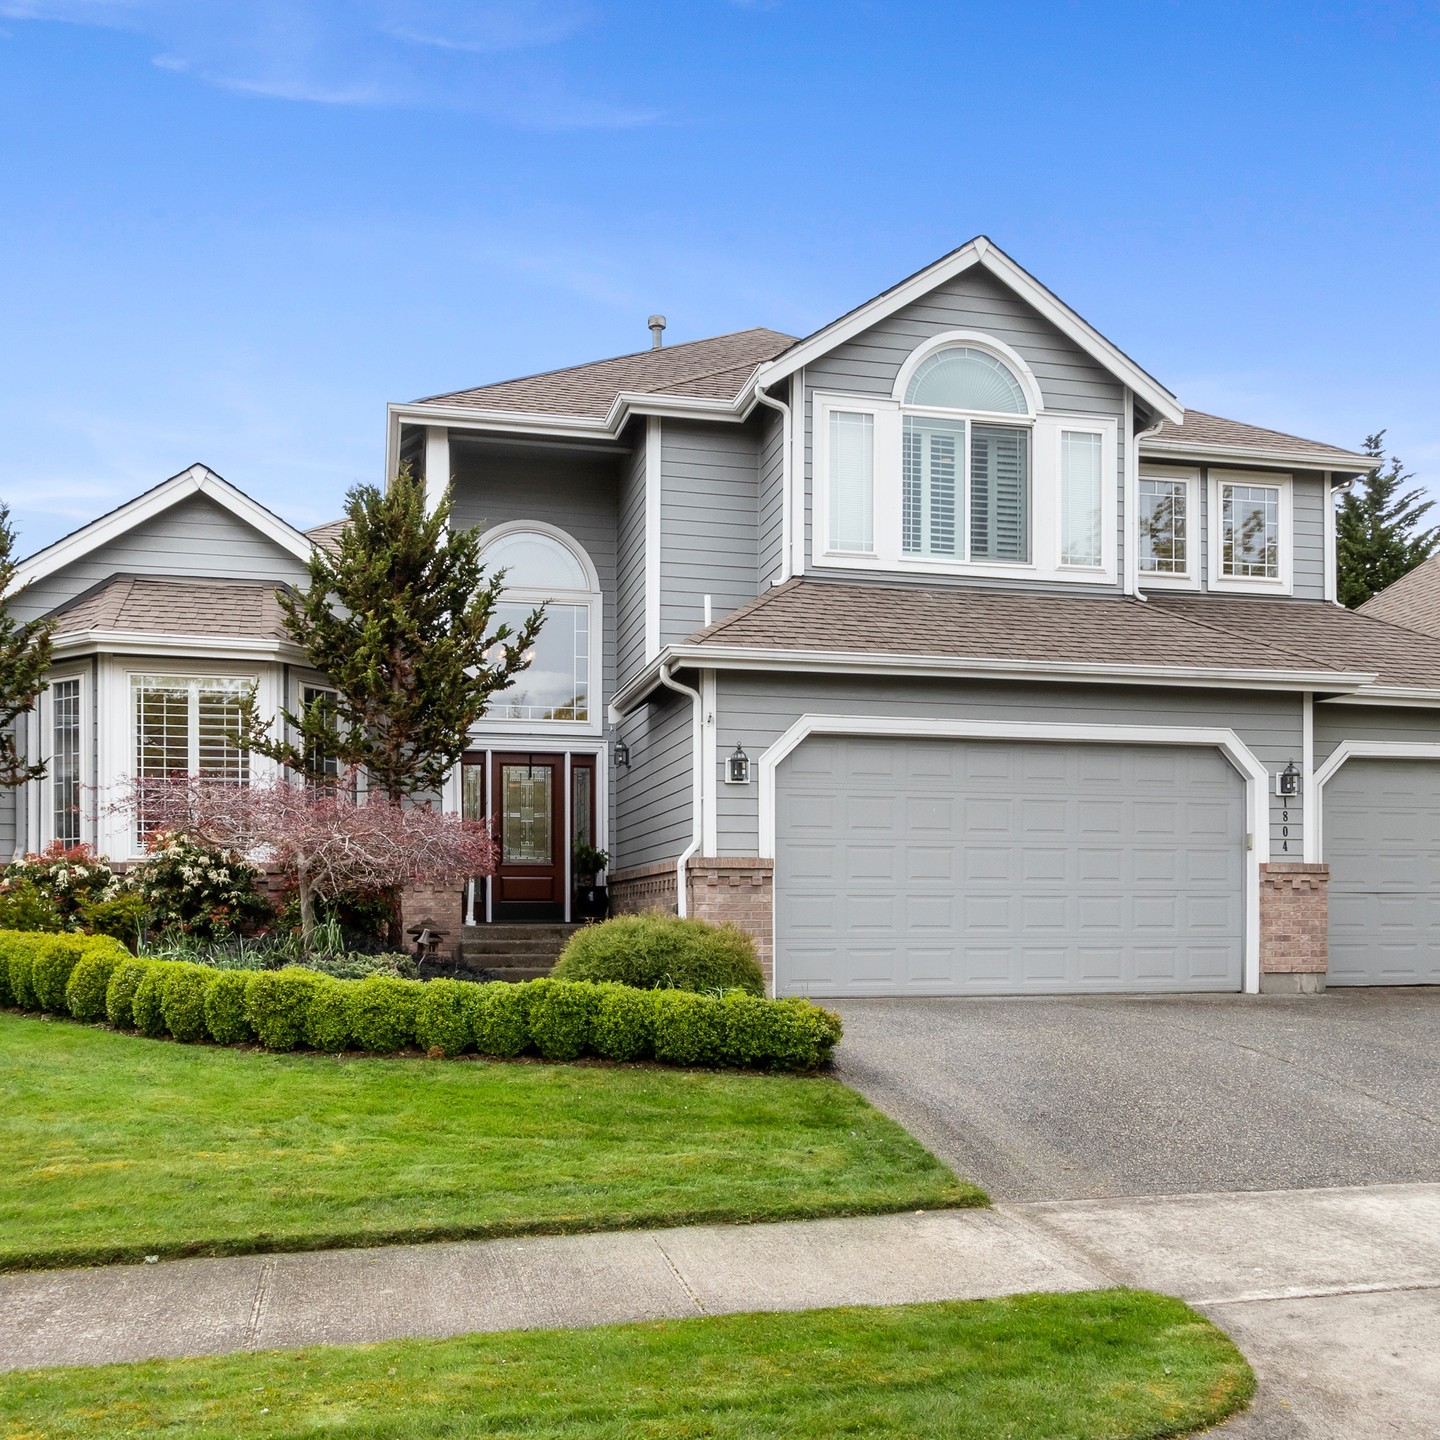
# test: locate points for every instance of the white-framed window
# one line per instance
(1251, 519)
(186, 725)
(558, 686)
(320, 765)
(1168, 527)
(62, 727)
(960, 470)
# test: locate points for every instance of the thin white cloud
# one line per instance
(480, 55)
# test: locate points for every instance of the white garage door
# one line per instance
(1382, 842)
(941, 867)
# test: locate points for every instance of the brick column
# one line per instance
(728, 889)
(1294, 928)
(446, 907)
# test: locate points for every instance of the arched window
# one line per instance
(966, 482)
(962, 378)
(544, 566)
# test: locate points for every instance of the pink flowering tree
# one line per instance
(328, 840)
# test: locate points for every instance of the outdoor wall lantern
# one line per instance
(621, 751)
(1287, 782)
(737, 767)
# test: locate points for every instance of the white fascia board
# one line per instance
(1341, 460)
(978, 668)
(1387, 695)
(197, 480)
(980, 252)
(200, 647)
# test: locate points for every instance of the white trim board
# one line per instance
(983, 252)
(197, 480)
(1360, 750)
(1254, 774)
(654, 501)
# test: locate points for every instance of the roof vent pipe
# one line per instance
(657, 329)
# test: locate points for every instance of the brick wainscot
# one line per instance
(1294, 920)
(721, 888)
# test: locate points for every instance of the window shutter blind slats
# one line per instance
(999, 493)
(931, 487)
(852, 480)
(1080, 489)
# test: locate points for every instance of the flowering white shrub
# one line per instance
(71, 877)
(203, 890)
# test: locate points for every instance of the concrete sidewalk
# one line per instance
(1333, 1294)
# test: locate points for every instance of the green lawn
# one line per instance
(1109, 1363)
(113, 1147)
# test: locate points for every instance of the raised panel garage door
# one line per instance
(1382, 843)
(942, 867)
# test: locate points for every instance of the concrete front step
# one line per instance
(513, 952)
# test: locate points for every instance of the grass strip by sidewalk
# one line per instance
(114, 1147)
(1111, 1363)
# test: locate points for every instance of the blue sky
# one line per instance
(232, 231)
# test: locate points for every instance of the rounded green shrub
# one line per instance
(147, 1004)
(85, 989)
(182, 1002)
(19, 962)
(562, 1018)
(382, 1013)
(442, 1019)
(624, 1024)
(276, 1004)
(497, 1019)
(24, 906)
(663, 952)
(327, 1020)
(689, 1029)
(55, 957)
(225, 1015)
(120, 993)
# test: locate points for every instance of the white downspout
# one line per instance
(682, 906)
(1132, 495)
(785, 503)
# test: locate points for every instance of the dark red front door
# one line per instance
(528, 811)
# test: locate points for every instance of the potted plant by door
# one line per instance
(592, 902)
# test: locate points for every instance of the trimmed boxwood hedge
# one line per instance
(663, 952)
(93, 976)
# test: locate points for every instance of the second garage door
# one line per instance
(942, 867)
(1382, 843)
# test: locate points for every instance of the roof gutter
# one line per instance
(697, 800)
(946, 667)
(1229, 455)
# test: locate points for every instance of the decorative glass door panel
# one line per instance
(527, 816)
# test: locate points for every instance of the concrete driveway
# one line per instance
(1047, 1098)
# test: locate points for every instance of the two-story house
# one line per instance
(942, 649)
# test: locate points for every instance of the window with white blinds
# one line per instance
(852, 481)
(999, 493)
(185, 725)
(1080, 497)
(934, 467)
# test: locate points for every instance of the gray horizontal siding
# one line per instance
(1069, 380)
(194, 537)
(771, 497)
(708, 520)
(9, 823)
(756, 709)
(630, 552)
(1309, 541)
(576, 493)
(1409, 723)
(654, 805)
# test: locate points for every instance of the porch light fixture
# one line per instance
(621, 751)
(1287, 782)
(737, 767)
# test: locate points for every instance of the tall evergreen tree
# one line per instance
(24, 659)
(1377, 530)
(398, 618)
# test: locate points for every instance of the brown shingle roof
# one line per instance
(235, 609)
(961, 622)
(1188, 632)
(1412, 601)
(1203, 434)
(327, 536)
(714, 369)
